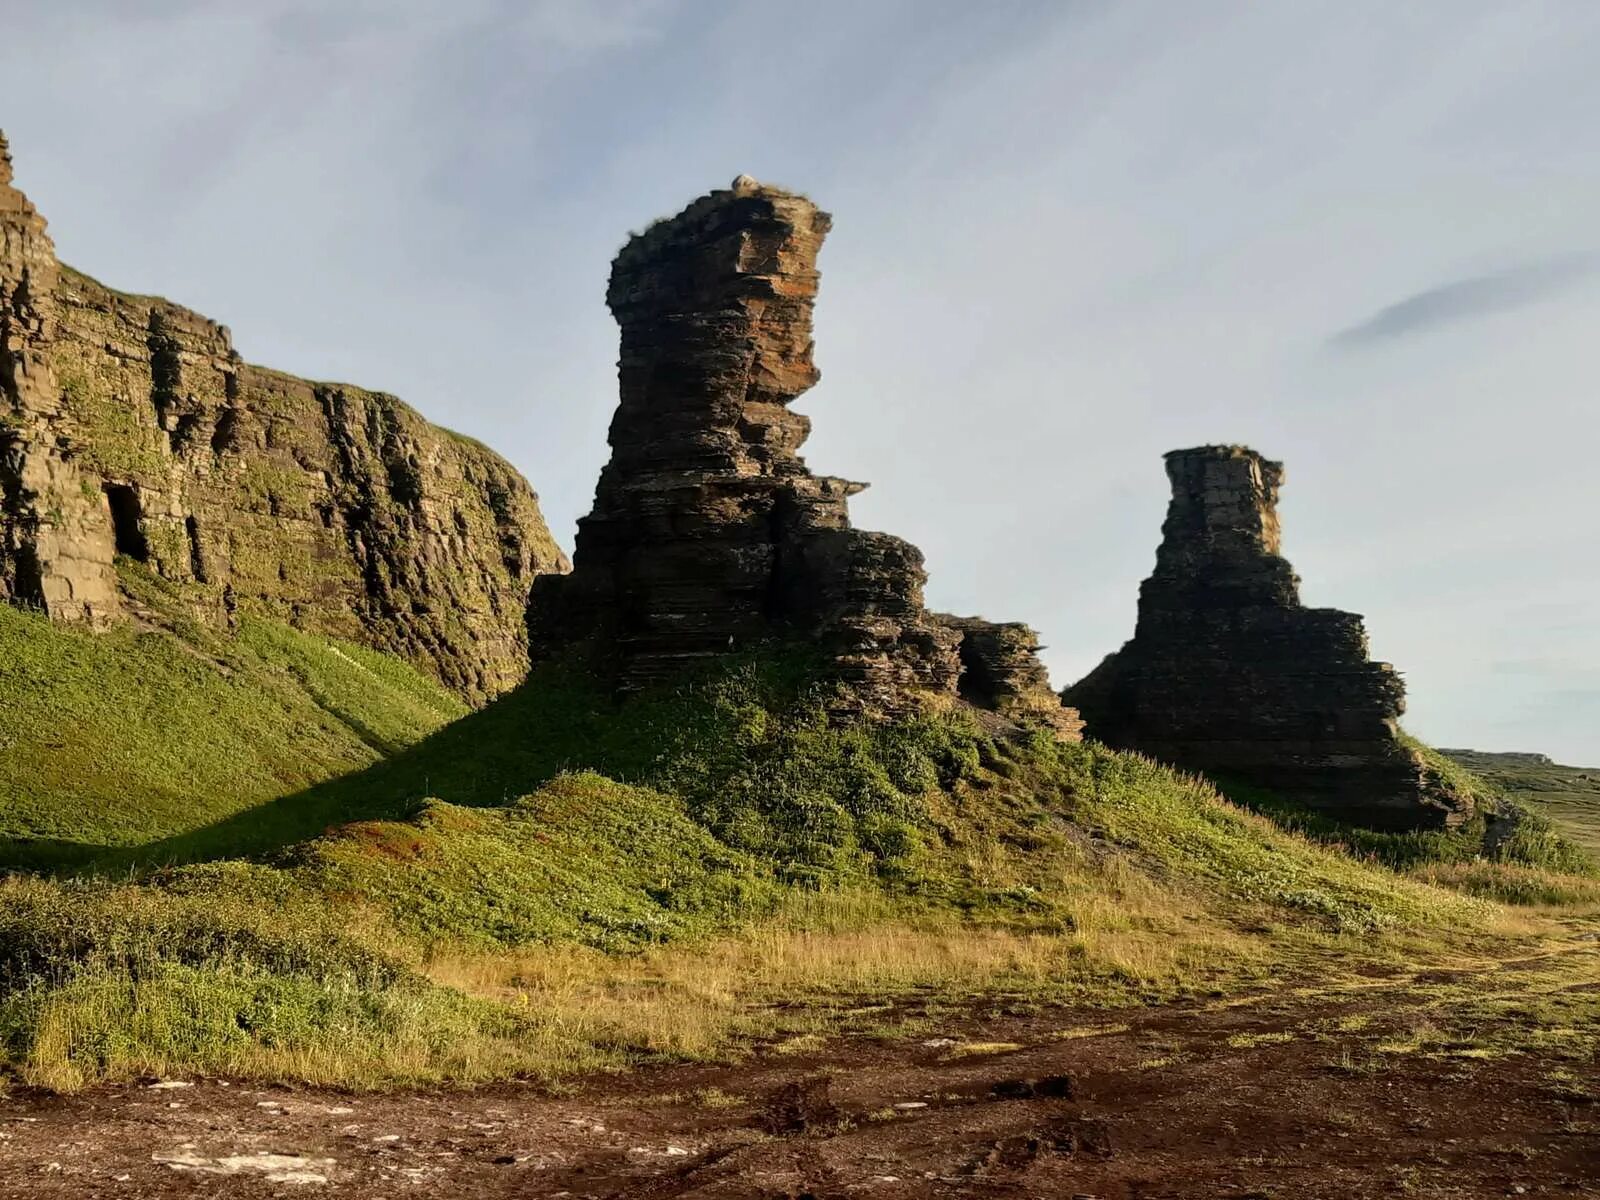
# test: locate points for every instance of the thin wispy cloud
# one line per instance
(1476, 296)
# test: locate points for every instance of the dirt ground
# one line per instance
(1297, 1093)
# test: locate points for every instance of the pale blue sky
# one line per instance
(1068, 236)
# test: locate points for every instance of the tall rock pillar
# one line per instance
(708, 531)
(56, 543)
(1229, 674)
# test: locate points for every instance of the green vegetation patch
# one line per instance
(1568, 796)
(1183, 823)
(137, 733)
(232, 974)
(750, 750)
(1504, 830)
(583, 860)
(501, 895)
(929, 806)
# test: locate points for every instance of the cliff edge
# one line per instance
(129, 425)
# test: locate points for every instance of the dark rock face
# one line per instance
(1228, 674)
(130, 425)
(1001, 671)
(708, 531)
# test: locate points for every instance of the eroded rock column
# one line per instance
(1229, 674)
(708, 531)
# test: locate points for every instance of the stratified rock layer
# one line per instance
(132, 426)
(55, 542)
(708, 531)
(1228, 674)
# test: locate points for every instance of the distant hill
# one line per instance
(1569, 796)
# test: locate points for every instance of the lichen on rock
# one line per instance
(1228, 673)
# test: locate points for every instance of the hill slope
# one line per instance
(1569, 796)
(161, 725)
(740, 847)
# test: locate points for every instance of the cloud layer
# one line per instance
(1068, 237)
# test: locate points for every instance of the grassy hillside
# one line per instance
(1508, 850)
(1569, 796)
(288, 862)
(560, 881)
(147, 730)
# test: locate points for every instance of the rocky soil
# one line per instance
(1287, 1094)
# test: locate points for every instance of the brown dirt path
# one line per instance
(1287, 1095)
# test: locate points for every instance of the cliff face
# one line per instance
(708, 531)
(55, 544)
(132, 426)
(1229, 674)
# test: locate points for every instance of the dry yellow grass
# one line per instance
(821, 963)
(816, 967)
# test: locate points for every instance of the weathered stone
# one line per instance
(1001, 671)
(708, 532)
(55, 545)
(1228, 674)
(138, 428)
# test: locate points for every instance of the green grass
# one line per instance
(1185, 825)
(1505, 830)
(139, 733)
(98, 980)
(583, 860)
(829, 800)
(927, 805)
(561, 880)
(1568, 796)
(1512, 883)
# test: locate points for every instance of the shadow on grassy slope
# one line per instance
(710, 729)
(465, 763)
(125, 737)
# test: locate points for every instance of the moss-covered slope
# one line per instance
(150, 729)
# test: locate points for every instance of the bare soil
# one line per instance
(1282, 1095)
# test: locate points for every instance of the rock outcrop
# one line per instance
(708, 531)
(131, 426)
(55, 543)
(1227, 673)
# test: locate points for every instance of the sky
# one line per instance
(1068, 236)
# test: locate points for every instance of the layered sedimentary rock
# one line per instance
(1001, 671)
(1229, 674)
(708, 531)
(133, 427)
(55, 543)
